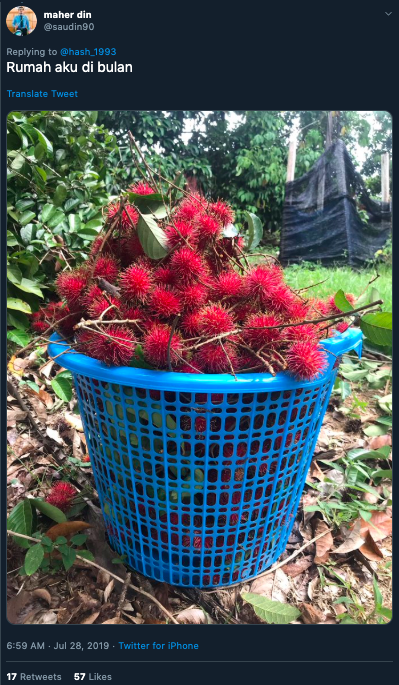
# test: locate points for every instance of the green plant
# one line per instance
(356, 613)
(44, 555)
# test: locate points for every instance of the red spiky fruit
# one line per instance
(190, 324)
(214, 319)
(209, 228)
(92, 294)
(70, 285)
(61, 495)
(279, 299)
(40, 326)
(296, 310)
(227, 286)
(222, 211)
(342, 326)
(180, 234)
(193, 296)
(306, 360)
(136, 283)
(114, 346)
(191, 207)
(106, 267)
(213, 358)
(66, 320)
(261, 280)
(304, 332)
(187, 265)
(141, 188)
(164, 276)
(155, 346)
(101, 305)
(128, 218)
(257, 335)
(165, 302)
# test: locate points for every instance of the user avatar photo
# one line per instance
(21, 20)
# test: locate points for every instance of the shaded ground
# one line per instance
(46, 443)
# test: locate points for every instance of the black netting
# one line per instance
(320, 219)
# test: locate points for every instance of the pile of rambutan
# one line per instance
(202, 308)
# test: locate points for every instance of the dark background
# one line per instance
(239, 57)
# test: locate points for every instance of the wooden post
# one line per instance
(291, 160)
(385, 177)
(329, 130)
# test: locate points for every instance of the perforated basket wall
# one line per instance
(199, 479)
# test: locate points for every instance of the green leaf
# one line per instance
(19, 337)
(26, 203)
(270, 611)
(94, 223)
(62, 388)
(14, 274)
(373, 431)
(377, 327)
(385, 420)
(377, 594)
(21, 520)
(33, 559)
(26, 217)
(88, 233)
(47, 212)
(40, 151)
(29, 286)
(60, 194)
(382, 473)
(18, 320)
(14, 303)
(68, 557)
(71, 203)
(74, 222)
(27, 233)
(56, 218)
(152, 237)
(49, 510)
(341, 302)
(79, 539)
(384, 611)
(87, 555)
(255, 230)
(44, 141)
(354, 375)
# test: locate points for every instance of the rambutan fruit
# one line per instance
(155, 346)
(71, 284)
(222, 211)
(209, 228)
(66, 320)
(257, 335)
(190, 324)
(304, 332)
(191, 207)
(342, 326)
(141, 188)
(227, 286)
(61, 495)
(214, 358)
(101, 305)
(188, 368)
(165, 302)
(180, 234)
(193, 296)
(92, 294)
(136, 283)
(40, 326)
(296, 310)
(128, 218)
(318, 307)
(187, 265)
(214, 319)
(106, 267)
(164, 276)
(306, 360)
(261, 280)
(114, 346)
(279, 299)
(248, 361)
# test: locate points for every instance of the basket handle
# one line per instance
(352, 339)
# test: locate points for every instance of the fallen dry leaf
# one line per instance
(54, 435)
(379, 441)
(353, 540)
(324, 544)
(23, 445)
(370, 549)
(114, 621)
(194, 616)
(46, 398)
(16, 366)
(315, 471)
(74, 421)
(312, 587)
(310, 614)
(45, 370)
(274, 586)
(66, 529)
(15, 415)
(23, 606)
(90, 619)
(109, 589)
(379, 526)
(43, 618)
(296, 568)
(151, 621)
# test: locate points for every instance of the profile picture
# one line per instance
(21, 20)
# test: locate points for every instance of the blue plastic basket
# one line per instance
(200, 476)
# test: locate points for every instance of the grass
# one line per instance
(338, 277)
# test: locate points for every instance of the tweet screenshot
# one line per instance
(197, 395)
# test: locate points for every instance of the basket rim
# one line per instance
(132, 376)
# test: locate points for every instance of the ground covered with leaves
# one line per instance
(71, 575)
